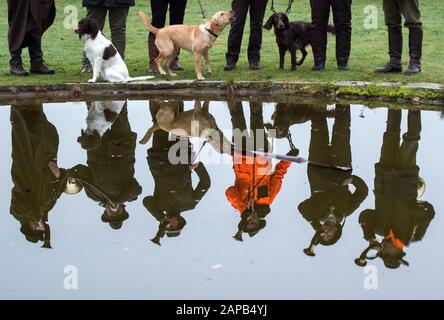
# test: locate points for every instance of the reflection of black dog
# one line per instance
(291, 36)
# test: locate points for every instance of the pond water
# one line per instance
(105, 238)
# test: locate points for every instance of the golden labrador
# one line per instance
(198, 123)
(197, 39)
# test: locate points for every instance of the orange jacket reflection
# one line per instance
(255, 180)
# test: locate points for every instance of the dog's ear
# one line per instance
(93, 28)
(269, 24)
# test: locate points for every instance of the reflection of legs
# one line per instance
(390, 145)
(319, 150)
(341, 149)
(257, 127)
(238, 122)
(409, 147)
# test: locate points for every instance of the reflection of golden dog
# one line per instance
(197, 39)
(198, 123)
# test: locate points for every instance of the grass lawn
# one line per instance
(369, 47)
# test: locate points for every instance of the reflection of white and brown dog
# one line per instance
(105, 60)
(198, 123)
(197, 39)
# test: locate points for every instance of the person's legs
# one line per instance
(117, 25)
(240, 134)
(257, 12)
(16, 64)
(319, 150)
(240, 8)
(98, 15)
(177, 14)
(391, 141)
(257, 127)
(412, 16)
(341, 148)
(320, 12)
(342, 16)
(410, 144)
(159, 10)
(36, 55)
(393, 20)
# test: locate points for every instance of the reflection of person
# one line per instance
(36, 189)
(117, 11)
(173, 192)
(109, 177)
(257, 11)
(28, 21)
(399, 217)
(256, 185)
(159, 10)
(331, 200)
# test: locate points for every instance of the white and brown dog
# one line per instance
(197, 39)
(105, 60)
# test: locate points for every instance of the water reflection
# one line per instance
(173, 190)
(331, 200)
(400, 217)
(257, 184)
(108, 177)
(35, 143)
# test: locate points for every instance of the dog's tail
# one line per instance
(140, 78)
(331, 29)
(147, 22)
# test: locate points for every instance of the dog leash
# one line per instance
(290, 4)
(202, 11)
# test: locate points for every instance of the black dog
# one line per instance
(292, 36)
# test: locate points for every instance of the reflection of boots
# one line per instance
(153, 53)
(415, 45)
(395, 52)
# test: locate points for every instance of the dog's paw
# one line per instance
(92, 80)
(200, 78)
(173, 74)
(210, 71)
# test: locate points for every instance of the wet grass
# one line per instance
(63, 50)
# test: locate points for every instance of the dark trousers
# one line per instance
(255, 138)
(394, 10)
(159, 9)
(257, 11)
(34, 49)
(395, 154)
(342, 17)
(117, 24)
(338, 152)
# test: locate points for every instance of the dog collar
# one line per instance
(212, 33)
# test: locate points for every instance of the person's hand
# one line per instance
(54, 169)
(293, 152)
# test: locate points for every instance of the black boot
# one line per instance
(18, 70)
(319, 66)
(415, 44)
(395, 52)
(41, 68)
